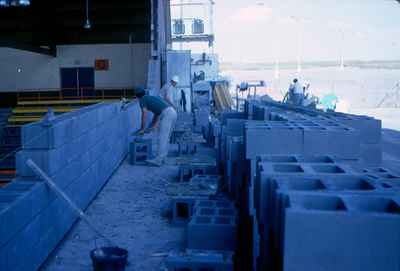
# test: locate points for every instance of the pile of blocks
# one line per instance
(211, 234)
(311, 189)
(189, 170)
(140, 150)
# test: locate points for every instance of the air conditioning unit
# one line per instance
(198, 26)
(179, 27)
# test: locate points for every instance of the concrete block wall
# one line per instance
(79, 150)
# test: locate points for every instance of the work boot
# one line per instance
(156, 162)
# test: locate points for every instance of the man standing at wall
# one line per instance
(164, 119)
(168, 91)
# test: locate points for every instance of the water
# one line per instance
(359, 90)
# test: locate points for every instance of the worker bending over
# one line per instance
(164, 118)
(168, 91)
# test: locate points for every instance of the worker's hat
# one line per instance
(139, 92)
(175, 79)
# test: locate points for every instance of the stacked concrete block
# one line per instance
(200, 260)
(268, 170)
(263, 186)
(186, 147)
(325, 232)
(235, 172)
(210, 179)
(79, 151)
(140, 150)
(213, 226)
(182, 209)
(270, 139)
(187, 171)
(350, 185)
(201, 120)
(381, 173)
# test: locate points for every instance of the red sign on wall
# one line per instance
(101, 64)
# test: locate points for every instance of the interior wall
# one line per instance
(26, 71)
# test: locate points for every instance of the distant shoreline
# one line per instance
(376, 64)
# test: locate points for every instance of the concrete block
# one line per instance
(187, 171)
(381, 174)
(140, 150)
(268, 171)
(197, 260)
(3, 259)
(316, 140)
(182, 209)
(186, 148)
(344, 143)
(273, 140)
(314, 241)
(212, 233)
(40, 135)
(371, 154)
(23, 242)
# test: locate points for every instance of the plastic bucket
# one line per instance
(109, 259)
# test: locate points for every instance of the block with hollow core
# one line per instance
(212, 232)
(341, 233)
(187, 171)
(140, 150)
(182, 209)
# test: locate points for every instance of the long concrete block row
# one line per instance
(270, 138)
(344, 232)
(200, 260)
(213, 226)
(66, 127)
(28, 206)
(369, 127)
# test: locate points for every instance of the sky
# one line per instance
(312, 30)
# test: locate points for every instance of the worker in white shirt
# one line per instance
(296, 91)
(168, 91)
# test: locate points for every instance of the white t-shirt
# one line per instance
(297, 88)
(168, 91)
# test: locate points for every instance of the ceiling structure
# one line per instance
(44, 24)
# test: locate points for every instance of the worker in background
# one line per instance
(296, 92)
(164, 119)
(183, 100)
(168, 91)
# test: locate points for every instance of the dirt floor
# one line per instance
(130, 210)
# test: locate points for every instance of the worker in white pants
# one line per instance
(164, 117)
(167, 123)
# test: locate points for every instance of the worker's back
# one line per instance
(153, 103)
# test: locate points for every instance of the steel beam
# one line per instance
(48, 50)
